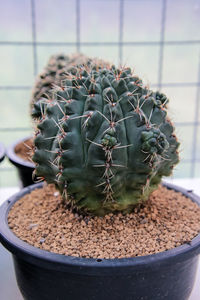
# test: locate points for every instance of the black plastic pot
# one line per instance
(24, 167)
(42, 275)
(2, 152)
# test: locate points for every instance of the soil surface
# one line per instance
(25, 149)
(167, 220)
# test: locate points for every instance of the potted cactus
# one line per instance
(20, 152)
(105, 141)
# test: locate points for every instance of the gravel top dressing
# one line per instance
(167, 220)
(24, 149)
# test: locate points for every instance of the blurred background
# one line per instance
(160, 39)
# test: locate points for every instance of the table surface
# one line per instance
(8, 285)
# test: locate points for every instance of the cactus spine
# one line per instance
(104, 140)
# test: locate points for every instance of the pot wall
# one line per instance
(24, 168)
(174, 282)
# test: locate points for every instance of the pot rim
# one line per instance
(92, 266)
(2, 152)
(14, 158)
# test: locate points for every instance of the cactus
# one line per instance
(54, 74)
(45, 79)
(104, 140)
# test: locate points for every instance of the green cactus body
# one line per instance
(105, 140)
(54, 73)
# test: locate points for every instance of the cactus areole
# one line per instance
(104, 139)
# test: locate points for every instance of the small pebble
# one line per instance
(42, 240)
(32, 226)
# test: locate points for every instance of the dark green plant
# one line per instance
(104, 140)
(49, 76)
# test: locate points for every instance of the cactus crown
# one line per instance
(104, 140)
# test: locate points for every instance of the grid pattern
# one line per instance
(121, 44)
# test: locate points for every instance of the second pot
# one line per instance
(24, 167)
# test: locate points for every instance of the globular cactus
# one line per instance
(104, 140)
(49, 76)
